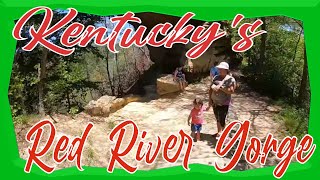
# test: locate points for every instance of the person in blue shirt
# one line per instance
(214, 70)
(180, 77)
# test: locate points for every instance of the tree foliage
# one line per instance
(66, 84)
(277, 66)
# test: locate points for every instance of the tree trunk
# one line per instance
(109, 76)
(120, 89)
(88, 78)
(42, 76)
(304, 80)
(262, 46)
(108, 71)
(68, 101)
(114, 74)
(295, 50)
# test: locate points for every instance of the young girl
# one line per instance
(196, 117)
(180, 78)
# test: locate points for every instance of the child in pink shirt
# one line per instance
(196, 117)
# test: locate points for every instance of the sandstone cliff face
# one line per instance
(219, 51)
(168, 59)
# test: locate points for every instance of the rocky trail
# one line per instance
(164, 116)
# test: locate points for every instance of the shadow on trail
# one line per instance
(210, 139)
(212, 142)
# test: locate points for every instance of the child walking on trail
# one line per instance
(196, 117)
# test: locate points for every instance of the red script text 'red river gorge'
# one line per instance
(65, 149)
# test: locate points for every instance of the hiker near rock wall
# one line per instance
(180, 77)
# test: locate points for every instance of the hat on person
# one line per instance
(223, 65)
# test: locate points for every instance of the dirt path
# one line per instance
(164, 116)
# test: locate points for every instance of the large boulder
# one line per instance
(108, 104)
(166, 85)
